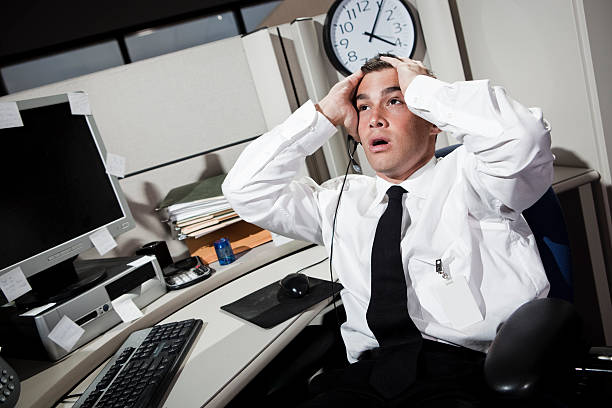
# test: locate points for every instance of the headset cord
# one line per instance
(331, 250)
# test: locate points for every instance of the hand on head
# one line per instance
(337, 105)
(407, 70)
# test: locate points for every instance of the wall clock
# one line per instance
(356, 30)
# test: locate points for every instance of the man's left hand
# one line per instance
(407, 70)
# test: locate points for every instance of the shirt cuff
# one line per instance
(419, 94)
(308, 128)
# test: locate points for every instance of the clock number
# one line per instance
(390, 16)
(346, 27)
(351, 13)
(398, 28)
(365, 8)
(344, 42)
(352, 56)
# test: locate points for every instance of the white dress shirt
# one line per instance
(464, 209)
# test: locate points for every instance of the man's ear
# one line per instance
(434, 130)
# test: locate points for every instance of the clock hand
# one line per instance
(378, 38)
(376, 19)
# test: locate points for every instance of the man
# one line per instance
(465, 257)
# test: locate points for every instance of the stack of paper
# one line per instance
(197, 209)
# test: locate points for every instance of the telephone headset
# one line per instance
(352, 163)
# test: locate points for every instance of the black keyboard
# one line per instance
(141, 371)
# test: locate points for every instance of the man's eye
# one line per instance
(362, 107)
(395, 101)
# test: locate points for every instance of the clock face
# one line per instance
(357, 30)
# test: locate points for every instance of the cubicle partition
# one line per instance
(181, 117)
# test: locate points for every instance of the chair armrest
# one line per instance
(542, 337)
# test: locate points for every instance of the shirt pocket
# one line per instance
(423, 275)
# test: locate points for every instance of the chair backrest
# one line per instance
(545, 218)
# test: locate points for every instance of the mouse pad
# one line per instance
(270, 305)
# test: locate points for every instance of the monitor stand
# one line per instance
(60, 283)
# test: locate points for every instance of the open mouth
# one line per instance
(379, 141)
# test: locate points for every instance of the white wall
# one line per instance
(554, 54)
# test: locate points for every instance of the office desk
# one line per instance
(47, 382)
(229, 351)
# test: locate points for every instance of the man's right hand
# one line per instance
(337, 105)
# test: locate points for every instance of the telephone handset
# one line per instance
(10, 386)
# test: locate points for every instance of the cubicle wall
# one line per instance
(187, 115)
(164, 109)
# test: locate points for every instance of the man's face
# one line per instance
(396, 141)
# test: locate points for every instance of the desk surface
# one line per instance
(567, 178)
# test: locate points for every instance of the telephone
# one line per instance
(10, 386)
(186, 272)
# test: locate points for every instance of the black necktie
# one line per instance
(399, 339)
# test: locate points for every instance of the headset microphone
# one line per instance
(351, 154)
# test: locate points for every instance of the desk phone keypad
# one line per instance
(9, 385)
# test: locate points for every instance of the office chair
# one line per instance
(539, 347)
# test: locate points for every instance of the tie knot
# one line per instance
(395, 192)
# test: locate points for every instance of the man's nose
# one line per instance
(377, 121)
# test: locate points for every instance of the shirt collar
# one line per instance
(417, 184)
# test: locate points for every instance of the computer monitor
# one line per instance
(55, 194)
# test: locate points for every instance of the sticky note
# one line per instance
(103, 241)
(79, 103)
(14, 284)
(126, 308)
(9, 115)
(66, 333)
(115, 164)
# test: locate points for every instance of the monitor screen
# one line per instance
(55, 189)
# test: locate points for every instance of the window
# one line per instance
(253, 16)
(58, 67)
(158, 41)
(127, 45)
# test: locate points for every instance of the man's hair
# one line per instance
(376, 64)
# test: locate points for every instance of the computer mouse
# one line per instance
(295, 285)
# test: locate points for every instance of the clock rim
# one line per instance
(331, 55)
